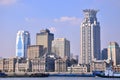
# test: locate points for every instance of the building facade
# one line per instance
(34, 51)
(114, 53)
(42, 64)
(98, 65)
(23, 65)
(104, 55)
(22, 42)
(61, 47)
(7, 64)
(80, 68)
(61, 65)
(45, 38)
(90, 37)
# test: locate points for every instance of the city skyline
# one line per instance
(63, 18)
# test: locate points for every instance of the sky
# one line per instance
(62, 17)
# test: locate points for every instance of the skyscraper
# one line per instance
(22, 42)
(45, 38)
(90, 37)
(114, 53)
(61, 47)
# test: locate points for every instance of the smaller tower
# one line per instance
(114, 53)
(61, 47)
(22, 42)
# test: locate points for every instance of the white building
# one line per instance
(80, 68)
(90, 37)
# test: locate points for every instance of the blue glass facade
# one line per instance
(22, 42)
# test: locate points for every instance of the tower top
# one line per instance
(45, 31)
(90, 13)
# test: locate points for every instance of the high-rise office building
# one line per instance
(45, 38)
(61, 47)
(22, 42)
(114, 53)
(90, 37)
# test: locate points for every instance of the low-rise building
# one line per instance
(42, 64)
(61, 65)
(80, 68)
(7, 64)
(116, 68)
(23, 65)
(98, 65)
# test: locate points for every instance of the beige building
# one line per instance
(34, 51)
(61, 47)
(80, 68)
(38, 65)
(45, 38)
(7, 64)
(12, 62)
(116, 68)
(42, 64)
(22, 65)
(114, 53)
(98, 65)
(61, 65)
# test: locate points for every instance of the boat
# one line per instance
(3, 74)
(108, 73)
(71, 75)
(39, 75)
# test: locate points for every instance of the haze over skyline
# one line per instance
(62, 17)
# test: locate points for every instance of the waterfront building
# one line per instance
(22, 65)
(61, 65)
(104, 55)
(45, 38)
(22, 43)
(61, 47)
(7, 64)
(98, 65)
(42, 64)
(116, 68)
(79, 68)
(90, 37)
(1, 64)
(34, 51)
(114, 53)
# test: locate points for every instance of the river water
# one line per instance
(62, 78)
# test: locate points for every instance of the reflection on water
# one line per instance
(62, 78)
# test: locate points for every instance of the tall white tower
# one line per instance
(22, 42)
(90, 37)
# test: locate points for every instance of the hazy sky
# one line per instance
(62, 17)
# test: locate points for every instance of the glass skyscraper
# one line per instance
(22, 42)
(90, 37)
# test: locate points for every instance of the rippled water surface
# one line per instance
(62, 78)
